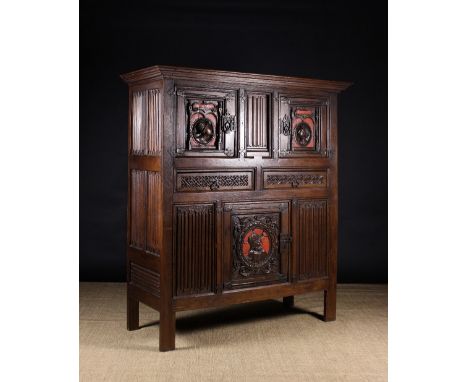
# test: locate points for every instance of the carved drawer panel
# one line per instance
(226, 180)
(281, 179)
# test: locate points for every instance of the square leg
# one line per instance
(133, 313)
(288, 301)
(329, 306)
(166, 330)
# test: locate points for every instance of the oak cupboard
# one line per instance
(232, 190)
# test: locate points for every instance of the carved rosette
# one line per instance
(255, 245)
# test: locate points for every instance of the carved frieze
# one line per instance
(215, 181)
(294, 180)
(276, 178)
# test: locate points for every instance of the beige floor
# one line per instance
(250, 342)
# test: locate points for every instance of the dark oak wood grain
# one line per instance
(233, 190)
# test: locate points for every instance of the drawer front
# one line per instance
(284, 179)
(226, 180)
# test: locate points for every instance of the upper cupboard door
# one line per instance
(206, 122)
(303, 126)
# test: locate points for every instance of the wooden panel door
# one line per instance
(303, 126)
(206, 123)
(256, 241)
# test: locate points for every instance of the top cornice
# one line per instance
(171, 72)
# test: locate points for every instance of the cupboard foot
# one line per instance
(166, 331)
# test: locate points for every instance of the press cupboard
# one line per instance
(232, 190)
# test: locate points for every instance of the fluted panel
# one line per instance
(153, 205)
(153, 123)
(145, 279)
(145, 122)
(138, 209)
(312, 239)
(257, 123)
(139, 122)
(195, 250)
(145, 193)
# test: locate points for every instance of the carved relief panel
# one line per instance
(256, 244)
(302, 126)
(206, 122)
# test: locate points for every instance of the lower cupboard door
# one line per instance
(256, 241)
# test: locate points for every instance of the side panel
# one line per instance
(144, 191)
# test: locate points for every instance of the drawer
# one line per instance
(215, 180)
(283, 179)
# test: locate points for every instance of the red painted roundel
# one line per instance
(256, 243)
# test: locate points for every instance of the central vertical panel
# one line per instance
(195, 237)
(257, 127)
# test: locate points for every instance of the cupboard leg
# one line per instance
(166, 330)
(288, 301)
(329, 306)
(133, 313)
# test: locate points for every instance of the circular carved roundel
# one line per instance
(303, 134)
(203, 131)
(256, 247)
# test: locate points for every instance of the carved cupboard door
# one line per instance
(206, 122)
(256, 243)
(302, 126)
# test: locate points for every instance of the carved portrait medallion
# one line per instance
(203, 131)
(255, 244)
(203, 124)
(303, 134)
